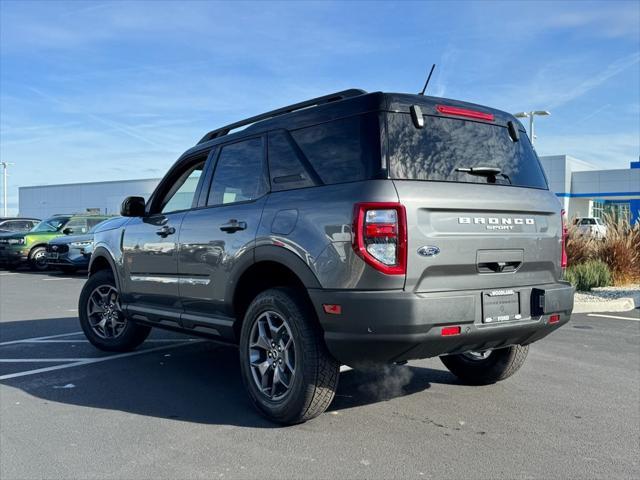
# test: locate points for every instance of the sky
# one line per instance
(108, 90)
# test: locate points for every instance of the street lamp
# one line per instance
(530, 116)
(4, 185)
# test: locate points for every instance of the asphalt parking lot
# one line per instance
(176, 407)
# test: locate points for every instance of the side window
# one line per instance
(92, 222)
(285, 167)
(343, 150)
(12, 226)
(180, 195)
(240, 173)
(77, 225)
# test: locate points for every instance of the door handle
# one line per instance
(166, 231)
(233, 226)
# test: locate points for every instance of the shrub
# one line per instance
(620, 249)
(580, 248)
(588, 275)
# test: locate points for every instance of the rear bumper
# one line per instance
(391, 326)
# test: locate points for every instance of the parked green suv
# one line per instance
(31, 247)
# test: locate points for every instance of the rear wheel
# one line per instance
(488, 366)
(286, 368)
(38, 259)
(101, 318)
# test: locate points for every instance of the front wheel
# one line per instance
(286, 368)
(38, 259)
(486, 367)
(101, 318)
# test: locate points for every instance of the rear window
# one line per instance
(345, 150)
(446, 144)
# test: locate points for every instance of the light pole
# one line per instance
(530, 116)
(4, 185)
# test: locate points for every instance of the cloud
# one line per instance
(616, 19)
(561, 96)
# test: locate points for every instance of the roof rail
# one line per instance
(353, 92)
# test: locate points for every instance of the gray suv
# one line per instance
(355, 228)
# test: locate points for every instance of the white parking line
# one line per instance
(43, 360)
(152, 340)
(95, 360)
(28, 340)
(612, 316)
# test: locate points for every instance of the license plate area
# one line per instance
(500, 306)
(52, 256)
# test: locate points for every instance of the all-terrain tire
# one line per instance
(499, 365)
(315, 380)
(131, 335)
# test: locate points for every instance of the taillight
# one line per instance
(380, 236)
(563, 258)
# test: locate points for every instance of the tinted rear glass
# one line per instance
(285, 166)
(444, 144)
(345, 150)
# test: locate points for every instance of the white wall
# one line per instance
(606, 181)
(43, 201)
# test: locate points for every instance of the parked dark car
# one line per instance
(30, 248)
(17, 224)
(72, 252)
(356, 228)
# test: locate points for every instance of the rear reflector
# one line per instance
(554, 318)
(463, 112)
(332, 309)
(448, 331)
(563, 239)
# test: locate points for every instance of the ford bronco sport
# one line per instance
(355, 228)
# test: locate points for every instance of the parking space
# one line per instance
(176, 408)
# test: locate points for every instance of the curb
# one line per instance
(623, 304)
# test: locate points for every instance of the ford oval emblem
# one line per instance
(428, 251)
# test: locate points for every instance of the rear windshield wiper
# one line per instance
(489, 172)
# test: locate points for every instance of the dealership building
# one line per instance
(583, 189)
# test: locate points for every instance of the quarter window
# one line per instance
(345, 150)
(240, 173)
(285, 166)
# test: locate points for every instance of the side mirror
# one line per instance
(67, 231)
(133, 207)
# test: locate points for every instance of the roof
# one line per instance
(335, 106)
